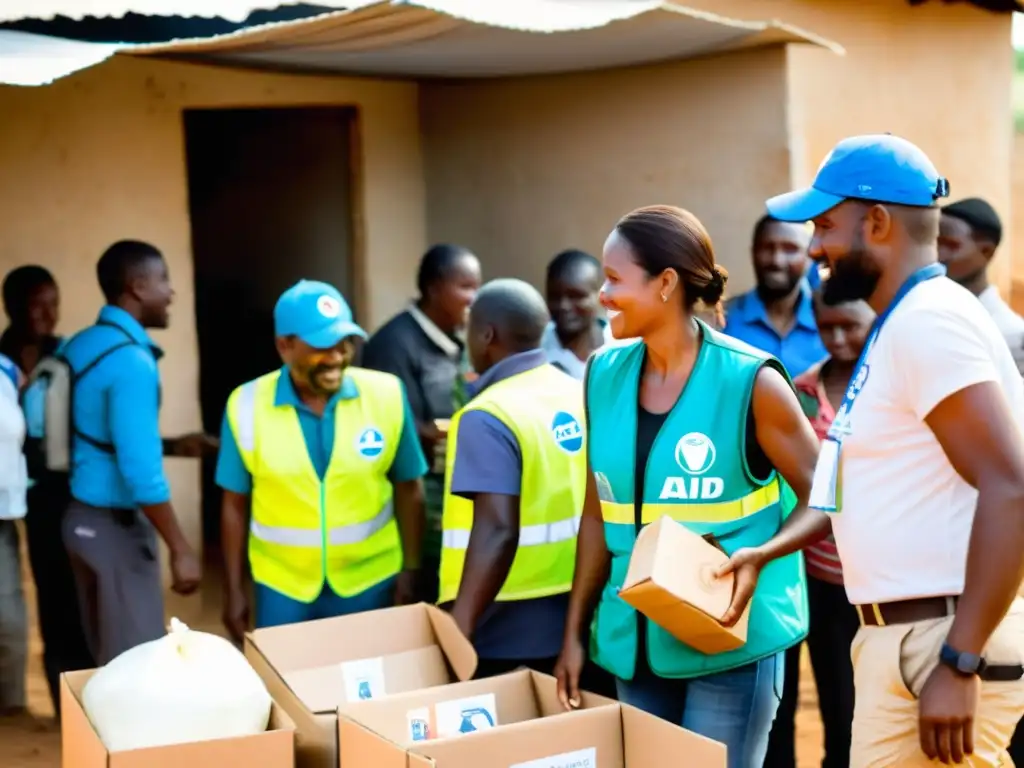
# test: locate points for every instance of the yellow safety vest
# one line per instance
(543, 408)
(304, 530)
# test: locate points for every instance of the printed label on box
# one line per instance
(364, 679)
(581, 758)
(419, 724)
(474, 713)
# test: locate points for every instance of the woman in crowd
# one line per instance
(423, 346)
(690, 404)
(844, 329)
(32, 304)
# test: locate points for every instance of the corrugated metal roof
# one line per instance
(232, 10)
(449, 38)
(37, 60)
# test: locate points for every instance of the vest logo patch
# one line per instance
(567, 432)
(695, 454)
(370, 443)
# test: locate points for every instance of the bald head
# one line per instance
(508, 316)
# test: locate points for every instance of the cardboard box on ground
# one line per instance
(81, 746)
(671, 581)
(313, 668)
(512, 721)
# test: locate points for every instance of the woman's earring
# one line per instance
(664, 297)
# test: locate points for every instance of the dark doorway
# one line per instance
(270, 199)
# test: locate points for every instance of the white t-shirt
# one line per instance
(906, 514)
(1009, 323)
(565, 358)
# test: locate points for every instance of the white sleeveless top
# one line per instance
(13, 470)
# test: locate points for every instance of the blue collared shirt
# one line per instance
(746, 319)
(488, 459)
(318, 431)
(117, 403)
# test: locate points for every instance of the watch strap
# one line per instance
(963, 663)
(1002, 673)
(969, 664)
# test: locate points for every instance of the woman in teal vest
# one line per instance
(689, 423)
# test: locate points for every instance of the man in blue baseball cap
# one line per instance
(321, 470)
(921, 476)
(862, 174)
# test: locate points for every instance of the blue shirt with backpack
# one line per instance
(93, 409)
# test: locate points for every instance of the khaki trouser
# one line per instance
(890, 667)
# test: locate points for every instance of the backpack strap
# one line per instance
(77, 376)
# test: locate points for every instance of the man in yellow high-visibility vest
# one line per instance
(321, 470)
(514, 487)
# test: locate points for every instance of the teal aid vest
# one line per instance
(697, 474)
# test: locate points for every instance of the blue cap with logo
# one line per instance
(879, 167)
(315, 312)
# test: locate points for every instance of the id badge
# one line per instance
(827, 486)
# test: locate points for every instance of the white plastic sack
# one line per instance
(187, 686)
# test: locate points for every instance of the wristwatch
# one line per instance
(964, 663)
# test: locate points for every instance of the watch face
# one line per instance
(964, 663)
(968, 663)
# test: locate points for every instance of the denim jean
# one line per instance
(274, 609)
(735, 708)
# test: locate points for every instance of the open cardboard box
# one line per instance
(530, 730)
(671, 581)
(81, 746)
(313, 668)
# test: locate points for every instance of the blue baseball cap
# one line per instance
(878, 167)
(315, 312)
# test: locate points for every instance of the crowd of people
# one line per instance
(496, 451)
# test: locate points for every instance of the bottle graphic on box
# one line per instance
(364, 689)
(419, 724)
(468, 726)
(419, 729)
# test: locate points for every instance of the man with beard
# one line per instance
(777, 317)
(321, 468)
(921, 475)
(969, 234)
(577, 328)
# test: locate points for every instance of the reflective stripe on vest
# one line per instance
(245, 434)
(339, 536)
(529, 535)
(715, 512)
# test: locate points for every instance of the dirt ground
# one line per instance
(34, 741)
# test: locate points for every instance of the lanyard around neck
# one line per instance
(840, 426)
